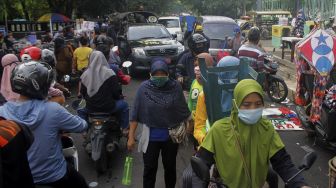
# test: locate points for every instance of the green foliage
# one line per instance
(230, 8)
(33, 9)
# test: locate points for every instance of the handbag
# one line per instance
(178, 134)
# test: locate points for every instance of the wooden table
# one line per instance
(292, 41)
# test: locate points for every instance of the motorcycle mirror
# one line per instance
(78, 104)
(308, 160)
(115, 48)
(127, 64)
(66, 78)
(200, 168)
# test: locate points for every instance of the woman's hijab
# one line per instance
(230, 139)
(59, 44)
(160, 107)
(9, 62)
(97, 73)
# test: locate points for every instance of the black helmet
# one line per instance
(32, 79)
(197, 43)
(48, 56)
(254, 34)
(103, 29)
(102, 39)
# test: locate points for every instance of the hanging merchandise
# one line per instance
(330, 98)
(283, 118)
(318, 51)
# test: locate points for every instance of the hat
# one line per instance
(159, 65)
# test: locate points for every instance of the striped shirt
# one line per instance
(8, 130)
(254, 53)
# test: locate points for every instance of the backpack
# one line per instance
(15, 128)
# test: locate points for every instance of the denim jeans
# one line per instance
(121, 109)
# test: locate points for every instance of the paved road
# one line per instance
(112, 179)
(297, 143)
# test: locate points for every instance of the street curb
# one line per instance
(291, 90)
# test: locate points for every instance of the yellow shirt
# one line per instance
(82, 56)
(201, 117)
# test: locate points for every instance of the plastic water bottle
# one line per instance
(127, 175)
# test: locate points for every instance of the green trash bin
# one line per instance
(213, 89)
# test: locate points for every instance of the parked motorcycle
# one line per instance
(323, 129)
(274, 85)
(203, 172)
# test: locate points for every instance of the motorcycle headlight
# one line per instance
(180, 49)
(97, 124)
(139, 52)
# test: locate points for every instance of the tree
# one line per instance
(65, 7)
(24, 9)
(230, 8)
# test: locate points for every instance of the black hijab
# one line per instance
(59, 44)
(160, 107)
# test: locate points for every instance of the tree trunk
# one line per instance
(25, 10)
(11, 11)
(244, 7)
(69, 8)
(57, 6)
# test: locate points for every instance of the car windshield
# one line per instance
(218, 30)
(169, 23)
(147, 32)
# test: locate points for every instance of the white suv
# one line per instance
(173, 25)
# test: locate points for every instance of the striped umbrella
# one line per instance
(53, 17)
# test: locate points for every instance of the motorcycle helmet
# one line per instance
(9, 59)
(197, 43)
(32, 79)
(30, 53)
(199, 29)
(103, 29)
(48, 56)
(254, 34)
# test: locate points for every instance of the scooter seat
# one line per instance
(101, 116)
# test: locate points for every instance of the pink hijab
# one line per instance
(8, 62)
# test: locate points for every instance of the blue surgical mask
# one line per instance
(250, 117)
(159, 81)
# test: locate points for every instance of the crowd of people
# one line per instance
(242, 147)
(237, 138)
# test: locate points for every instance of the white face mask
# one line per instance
(250, 117)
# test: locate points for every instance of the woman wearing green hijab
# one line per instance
(243, 145)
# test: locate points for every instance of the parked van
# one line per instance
(173, 25)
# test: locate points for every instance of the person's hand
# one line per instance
(74, 71)
(130, 143)
(305, 187)
(180, 79)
